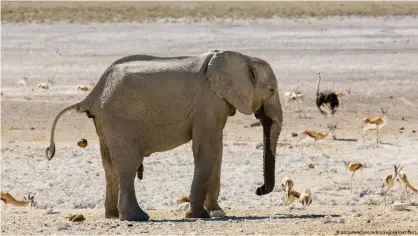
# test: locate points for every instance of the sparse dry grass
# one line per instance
(150, 11)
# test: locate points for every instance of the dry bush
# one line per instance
(150, 11)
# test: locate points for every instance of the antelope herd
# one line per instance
(46, 85)
(327, 102)
(291, 195)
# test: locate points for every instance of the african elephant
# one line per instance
(144, 104)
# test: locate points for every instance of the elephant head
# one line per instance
(249, 85)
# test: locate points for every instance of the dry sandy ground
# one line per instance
(376, 58)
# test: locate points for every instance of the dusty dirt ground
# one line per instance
(375, 57)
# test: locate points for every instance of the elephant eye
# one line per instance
(271, 89)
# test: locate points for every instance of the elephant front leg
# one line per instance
(205, 151)
(112, 186)
(211, 201)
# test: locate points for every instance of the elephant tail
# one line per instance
(79, 106)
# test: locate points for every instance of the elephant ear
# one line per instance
(231, 77)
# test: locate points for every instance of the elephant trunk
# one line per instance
(271, 132)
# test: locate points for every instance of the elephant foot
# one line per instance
(133, 214)
(214, 209)
(134, 217)
(202, 214)
(217, 213)
(112, 214)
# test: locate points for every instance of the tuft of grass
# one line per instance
(196, 11)
(11, 128)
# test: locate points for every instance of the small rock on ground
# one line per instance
(255, 124)
(63, 226)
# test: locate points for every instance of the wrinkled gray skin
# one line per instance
(144, 104)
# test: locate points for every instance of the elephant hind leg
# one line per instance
(126, 159)
(112, 186)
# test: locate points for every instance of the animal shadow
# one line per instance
(390, 144)
(305, 216)
(247, 218)
(306, 117)
(238, 218)
(376, 145)
(347, 139)
(325, 155)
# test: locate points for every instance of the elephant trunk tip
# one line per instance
(50, 151)
(263, 190)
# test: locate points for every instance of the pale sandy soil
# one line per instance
(376, 58)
